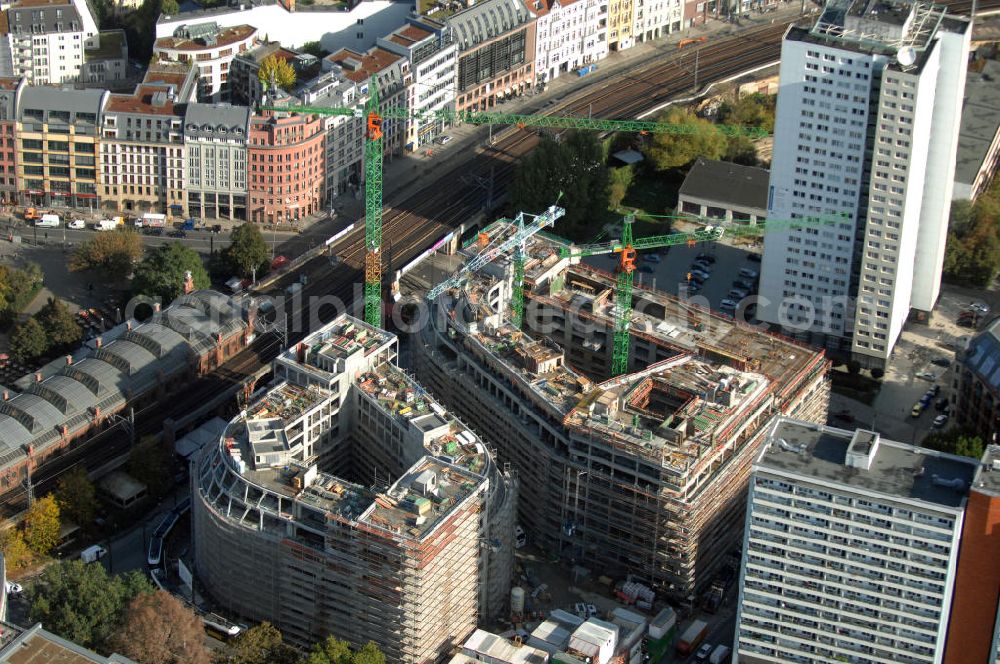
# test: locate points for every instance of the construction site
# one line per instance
(643, 473)
(344, 501)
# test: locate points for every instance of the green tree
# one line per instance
(699, 138)
(170, 7)
(972, 254)
(330, 651)
(28, 341)
(740, 150)
(149, 463)
(16, 553)
(573, 167)
(83, 603)
(247, 251)
(41, 525)
(60, 325)
(960, 441)
(276, 71)
(756, 110)
(77, 498)
(261, 644)
(18, 287)
(158, 629)
(369, 654)
(163, 271)
(114, 254)
(620, 179)
(315, 49)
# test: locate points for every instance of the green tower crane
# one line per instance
(374, 153)
(627, 247)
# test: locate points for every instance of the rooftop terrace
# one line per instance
(419, 499)
(867, 463)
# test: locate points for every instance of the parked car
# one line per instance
(77, 224)
(727, 304)
(748, 273)
(966, 322)
(941, 404)
(177, 233)
(743, 283)
(738, 293)
(155, 232)
(701, 274)
(941, 362)
(926, 375)
(756, 258)
(979, 307)
(935, 390)
(705, 257)
(703, 652)
(702, 265)
(916, 410)
(217, 228)
(940, 421)
(444, 140)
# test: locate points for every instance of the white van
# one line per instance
(48, 221)
(77, 224)
(93, 553)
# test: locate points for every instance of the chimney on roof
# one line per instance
(69, 360)
(38, 377)
(6, 395)
(98, 342)
(64, 430)
(128, 326)
(97, 413)
(300, 353)
(156, 307)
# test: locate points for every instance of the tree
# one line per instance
(41, 525)
(28, 341)
(76, 497)
(247, 251)
(315, 49)
(335, 651)
(330, 651)
(369, 654)
(276, 71)
(149, 463)
(573, 168)
(16, 553)
(170, 7)
(261, 644)
(162, 272)
(18, 287)
(83, 603)
(740, 150)
(699, 138)
(158, 629)
(59, 324)
(756, 110)
(960, 441)
(113, 253)
(972, 254)
(620, 179)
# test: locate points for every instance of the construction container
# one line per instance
(517, 600)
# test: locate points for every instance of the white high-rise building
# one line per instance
(869, 109)
(850, 549)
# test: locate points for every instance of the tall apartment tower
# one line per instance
(851, 548)
(866, 133)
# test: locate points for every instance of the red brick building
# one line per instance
(10, 88)
(286, 161)
(973, 626)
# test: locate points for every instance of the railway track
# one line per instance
(413, 224)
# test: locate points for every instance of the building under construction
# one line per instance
(344, 501)
(644, 473)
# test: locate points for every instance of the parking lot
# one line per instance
(668, 270)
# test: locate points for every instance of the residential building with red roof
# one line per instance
(211, 48)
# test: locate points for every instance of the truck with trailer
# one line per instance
(151, 220)
(692, 638)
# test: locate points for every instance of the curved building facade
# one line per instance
(344, 501)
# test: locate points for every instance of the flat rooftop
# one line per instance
(819, 453)
(980, 120)
(673, 411)
(988, 478)
(424, 495)
(687, 327)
